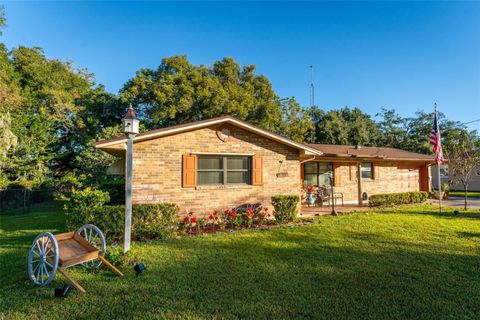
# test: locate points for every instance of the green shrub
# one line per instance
(392, 199)
(115, 186)
(285, 207)
(154, 221)
(117, 257)
(149, 221)
(83, 206)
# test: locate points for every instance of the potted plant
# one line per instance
(310, 196)
(443, 191)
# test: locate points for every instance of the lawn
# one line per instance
(470, 194)
(407, 263)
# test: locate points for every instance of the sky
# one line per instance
(371, 55)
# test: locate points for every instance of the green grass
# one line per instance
(470, 194)
(407, 263)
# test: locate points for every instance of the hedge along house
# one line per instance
(224, 163)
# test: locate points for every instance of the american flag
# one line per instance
(436, 142)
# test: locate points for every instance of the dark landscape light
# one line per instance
(62, 292)
(139, 267)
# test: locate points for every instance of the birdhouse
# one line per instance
(130, 122)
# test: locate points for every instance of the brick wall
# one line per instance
(157, 170)
(389, 177)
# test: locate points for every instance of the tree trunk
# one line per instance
(465, 205)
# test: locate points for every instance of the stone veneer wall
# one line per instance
(157, 170)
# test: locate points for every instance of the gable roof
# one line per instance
(341, 151)
(153, 134)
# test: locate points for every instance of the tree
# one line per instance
(463, 153)
(393, 128)
(179, 92)
(297, 122)
(345, 126)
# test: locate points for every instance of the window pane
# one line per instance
(210, 163)
(324, 179)
(366, 169)
(310, 179)
(210, 177)
(237, 163)
(237, 177)
(325, 167)
(310, 167)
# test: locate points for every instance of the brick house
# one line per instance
(224, 162)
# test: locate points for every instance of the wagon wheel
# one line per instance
(43, 259)
(92, 234)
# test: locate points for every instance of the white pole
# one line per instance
(439, 188)
(438, 165)
(128, 194)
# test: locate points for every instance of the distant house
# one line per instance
(445, 176)
(224, 162)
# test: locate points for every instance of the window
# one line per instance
(221, 170)
(317, 173)
(444, 171)
(367, 170)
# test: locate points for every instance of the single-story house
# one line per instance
(225, 162)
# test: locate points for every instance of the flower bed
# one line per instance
(229, 219)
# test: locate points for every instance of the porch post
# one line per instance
(359, 184)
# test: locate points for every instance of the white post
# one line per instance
(128, 193)
(438, 164)
(439, 188)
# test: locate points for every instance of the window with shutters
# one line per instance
(317, 173)
(224, 170)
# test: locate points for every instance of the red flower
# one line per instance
(233, 214)
(191, 212)
(227, 211)
(185, 219)
(193, 220)
(268, 215)
(262, 215)
(266, 209)
(216, 217)
(210, 217)
(250, 210)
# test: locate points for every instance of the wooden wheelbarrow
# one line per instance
(50, 253)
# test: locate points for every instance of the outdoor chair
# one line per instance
(324, 194)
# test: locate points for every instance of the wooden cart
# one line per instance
(50, 253)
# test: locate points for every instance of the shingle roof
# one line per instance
(332, 150)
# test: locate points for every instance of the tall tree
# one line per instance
(345, 126)
(297, 122)
(179, 92)
(393, 128)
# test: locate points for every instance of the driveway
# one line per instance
(473, 203)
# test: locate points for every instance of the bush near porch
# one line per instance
(395, 263)
(393, 199)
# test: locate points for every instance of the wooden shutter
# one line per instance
(376, 171)
(337, 175)
(353, 172)
(302, 174)
(257, 171)
(189, 171)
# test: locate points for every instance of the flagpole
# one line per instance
(438, 168)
